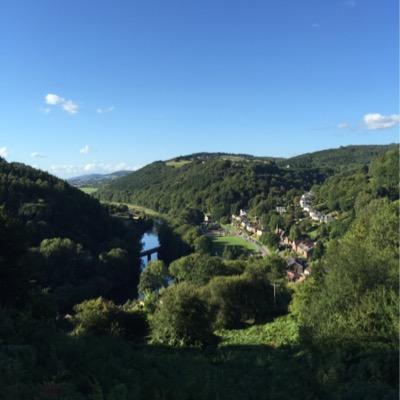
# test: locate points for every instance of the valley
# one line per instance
(259, 274)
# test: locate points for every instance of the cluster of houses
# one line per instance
(242, 221)
(305, 204)
(303, 248)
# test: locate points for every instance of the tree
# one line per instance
(270, 239)
(101, 317)
(203, 245)
(295, 233)
(153, 277)
(198, 269)
(182, 318)
(318, 251)
(235, 300)
(115, 265)
(354, 294)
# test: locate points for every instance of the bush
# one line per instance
(237, 300)
(197, 268)
(182, 318)
(100, 317)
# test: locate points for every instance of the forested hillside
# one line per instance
(217, 186)
(221, 184)
(353, 189)
(339, 159)
(62, 241)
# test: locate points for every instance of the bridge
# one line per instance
(149, 252)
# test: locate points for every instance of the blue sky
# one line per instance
(95, 85)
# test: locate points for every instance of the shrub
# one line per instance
(101, 317)
(236, 300)
(182, 318)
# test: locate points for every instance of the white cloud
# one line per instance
(343, 125)
(3, 152)
(69, 170)
(67, 105)
(70, 107)
(37, 155)
(104, 110)
(90, 167)
(375, 121)
(54, 99)
(85, 150)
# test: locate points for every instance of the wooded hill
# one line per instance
(54, 237)
(213, 185)
(221, 183)
(339, 159)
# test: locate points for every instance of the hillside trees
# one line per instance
(355, 294)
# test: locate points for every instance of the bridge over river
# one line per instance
(147, 253)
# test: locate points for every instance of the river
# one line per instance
(149, 240)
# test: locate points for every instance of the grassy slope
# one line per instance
(282, 331)
(88, 189)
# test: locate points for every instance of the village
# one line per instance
(297, 253)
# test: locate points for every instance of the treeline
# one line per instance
(339, 159)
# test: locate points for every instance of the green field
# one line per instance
(88, 189)
(222, 241)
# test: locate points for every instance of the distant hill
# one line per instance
(223, 156)
(210, 184)
(221, 183)
(340, 158)
(96, 179)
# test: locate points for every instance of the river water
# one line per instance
(149, 240)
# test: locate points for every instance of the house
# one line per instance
(295, 269)
(236, 218)
(303, 248)
(281, 233)
(243, 213)
(280, 209)
(259, 232)
(207, 218)
(251, 228)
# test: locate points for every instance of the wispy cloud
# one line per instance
(37, 155)
(376, 121)
(67, 105)
(3, 152)
(105, 110)
(343, 125)
(85, 150)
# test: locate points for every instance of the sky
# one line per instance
(102, 85)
